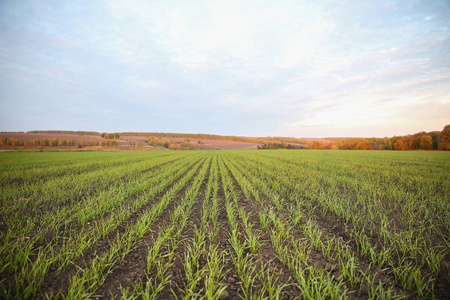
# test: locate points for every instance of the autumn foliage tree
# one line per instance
(110, 136)
(444, 140)
(426, 142)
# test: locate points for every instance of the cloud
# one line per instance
(296, 68)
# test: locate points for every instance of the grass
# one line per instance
(340, 224)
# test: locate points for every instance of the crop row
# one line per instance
(225, 225)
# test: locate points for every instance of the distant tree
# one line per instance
(407, 143)
(140, 145)
(416, 140)
(110, 136)
(398, 145)
(363, 145)
(444, 140)
(62, 142)
(151, 140)
(426, 142)
(436, 135)
(314, 145)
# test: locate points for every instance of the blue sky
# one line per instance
(256, 68)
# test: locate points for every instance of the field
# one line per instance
(91, 142)
(225, 224)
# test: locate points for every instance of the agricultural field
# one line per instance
(229, 224)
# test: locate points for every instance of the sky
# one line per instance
(251, 68)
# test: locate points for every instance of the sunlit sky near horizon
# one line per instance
(254, 68)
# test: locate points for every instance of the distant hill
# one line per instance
(434, 140)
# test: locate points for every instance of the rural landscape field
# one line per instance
(238, 149)
(229, 224)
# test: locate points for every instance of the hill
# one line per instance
(92, 140)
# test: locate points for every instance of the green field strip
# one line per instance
(42, 174)
(21, 195)
(75, 245)
(203, 264)
(292, 252)
(415, 279)
(87, 280)
(221, 250)
(278, 279)
(276, 199)
(21, 161)
(57, 223)
(190, 265)
(409, 162)
(162, 253)
(375, 215)
(258, 280)
(152, 180)
(164, 237)
(420, 225)
(347, 267)
(89, 230)
(215, 272)
(78, 244)
(341, 224)
(313, 280)
(335, 251)
(431, 179)
(430, 183)
(158, 245)
(21, 220)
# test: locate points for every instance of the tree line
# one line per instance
(55, 142)
(434, 140)
(66, 132)
(154, 141)
(254, 140)
(105, 135)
